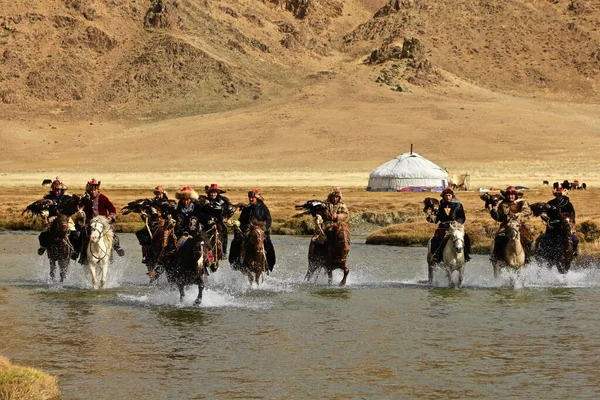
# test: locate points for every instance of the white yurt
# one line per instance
(408, 172)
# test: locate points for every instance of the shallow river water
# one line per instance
(385, 335)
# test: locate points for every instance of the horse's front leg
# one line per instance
(52, 269)
(346, 272)
(103, 272)
(64, 267)
(92, 271)
(450, 280)
(181, 292)
(461, 273)
(200, 290)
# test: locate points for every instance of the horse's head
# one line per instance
(99, 227)
(256, 236)
(512, 228)
(456, 233)
(60, 226)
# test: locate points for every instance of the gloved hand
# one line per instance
(430, 218)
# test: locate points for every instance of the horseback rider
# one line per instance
(561, 204)
(219, 208)
(335, 211)
(189, 216)
(512, 206)
(256, 210)
(152, 223)
(92, 205)
(449, 210)
(58, 194)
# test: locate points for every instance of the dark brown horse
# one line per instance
(253, 256)
(329, 248)
(187, 265)
(555, 247)
(59, 246)
(337, 249)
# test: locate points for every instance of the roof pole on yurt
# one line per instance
(411, 148)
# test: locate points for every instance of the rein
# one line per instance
(100, 237)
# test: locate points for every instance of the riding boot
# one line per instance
(41, 250)
(117, 246)
(575, 240)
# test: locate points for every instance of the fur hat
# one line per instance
(560, 192)
(159, 189)
(57, 184)
(255, 193)
(447, 189)
(511, 190)
(91, 184)
(213, 188)
(186, 192)
(336, 191)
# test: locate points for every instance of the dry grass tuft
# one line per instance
(26, 383)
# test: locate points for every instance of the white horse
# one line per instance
(514, 252)
(453, 254)
(99, 249)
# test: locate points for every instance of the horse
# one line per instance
(59, 246)
(187, 265)
(332, 254)
(556, 246)
(253, 255)
(514, 252)
(453, 255)
(99, 249)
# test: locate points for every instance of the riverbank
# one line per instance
(25, 383)
(387, 218)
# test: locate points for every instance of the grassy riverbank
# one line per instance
(387, 218)
(26, 383)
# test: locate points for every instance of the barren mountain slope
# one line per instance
(276, 92)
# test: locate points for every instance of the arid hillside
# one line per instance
(232, 90)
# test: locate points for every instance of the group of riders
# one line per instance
(513, 206)
(193, 214)
(196, 214)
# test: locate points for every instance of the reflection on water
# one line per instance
(386, 335)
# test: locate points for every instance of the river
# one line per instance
(385, 335)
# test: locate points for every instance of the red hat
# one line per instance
(186, 192)
(213, 188)
(91, 184)
(255, 193)
(511, 190)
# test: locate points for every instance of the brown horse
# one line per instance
(253, 256)
(59, 248)
(332, 254)
(555, 247)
